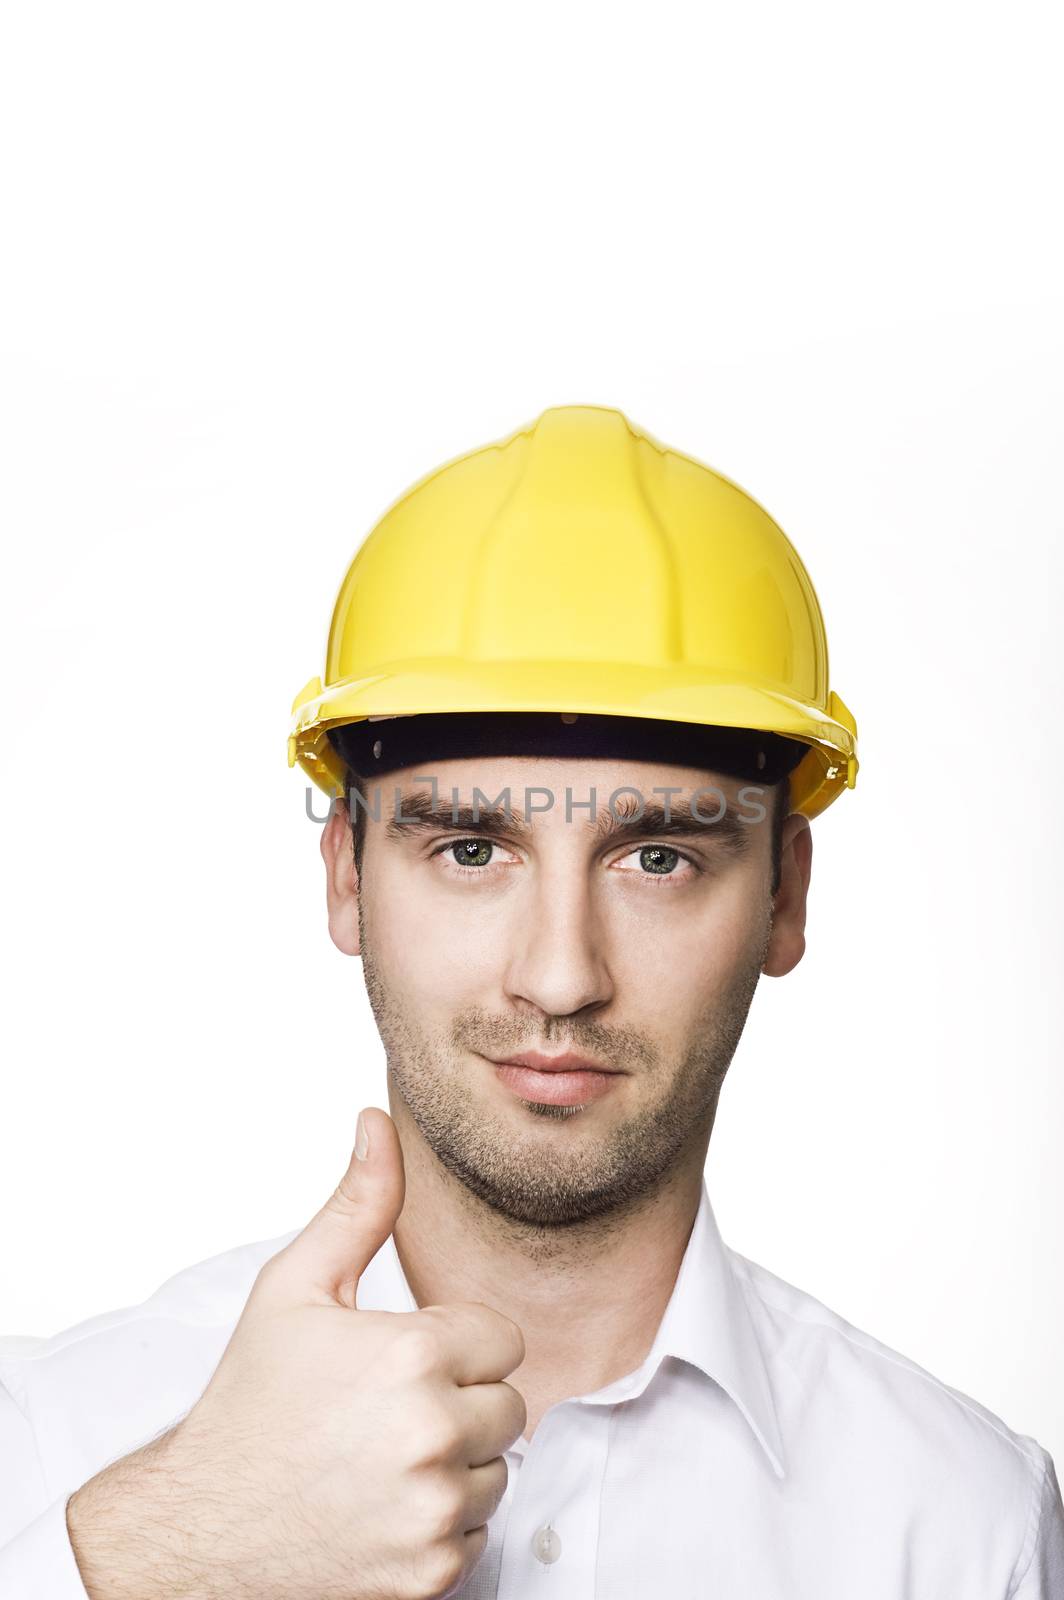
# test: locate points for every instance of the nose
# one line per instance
(559, 963)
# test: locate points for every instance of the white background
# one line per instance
(264, 266)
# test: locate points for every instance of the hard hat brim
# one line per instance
(673, 693)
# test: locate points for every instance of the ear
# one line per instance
(786, 945)
(341, 880)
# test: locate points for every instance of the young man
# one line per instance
(576, 700)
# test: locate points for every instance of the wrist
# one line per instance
(129, 1529)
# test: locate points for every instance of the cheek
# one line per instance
(693, 945)
(430, 946)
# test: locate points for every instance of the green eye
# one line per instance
(658, 858)
(472, 852)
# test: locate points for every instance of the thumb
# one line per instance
(329, 1256)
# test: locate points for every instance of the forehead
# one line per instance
(547, 778)
(600, 801)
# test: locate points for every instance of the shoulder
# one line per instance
(809, 1341)
(921, 1445)
(102, 1387)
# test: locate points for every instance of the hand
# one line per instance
(336, 1454)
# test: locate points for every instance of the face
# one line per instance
(637, 949)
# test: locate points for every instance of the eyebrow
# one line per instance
(679, 820)
(418, 816)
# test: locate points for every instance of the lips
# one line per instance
(567, 1080)
(565, 1063)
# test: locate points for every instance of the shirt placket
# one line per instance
(550, 1545)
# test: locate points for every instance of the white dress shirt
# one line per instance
(766, 1449)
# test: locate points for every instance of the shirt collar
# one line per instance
(708, 1322)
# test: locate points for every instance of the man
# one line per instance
(576, 701)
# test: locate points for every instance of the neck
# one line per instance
(605, 1282)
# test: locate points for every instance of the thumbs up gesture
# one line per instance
(336, 1454)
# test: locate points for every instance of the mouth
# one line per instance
(564, 1080)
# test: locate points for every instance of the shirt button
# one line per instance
(546, 1545)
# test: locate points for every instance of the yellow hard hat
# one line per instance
(580, 566)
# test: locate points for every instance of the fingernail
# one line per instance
(361, 1138)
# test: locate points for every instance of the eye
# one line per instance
(658, 862)
(471, 852)
(469, 857)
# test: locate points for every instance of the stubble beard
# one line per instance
(572, 1180)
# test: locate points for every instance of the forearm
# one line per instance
(131, 1533)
